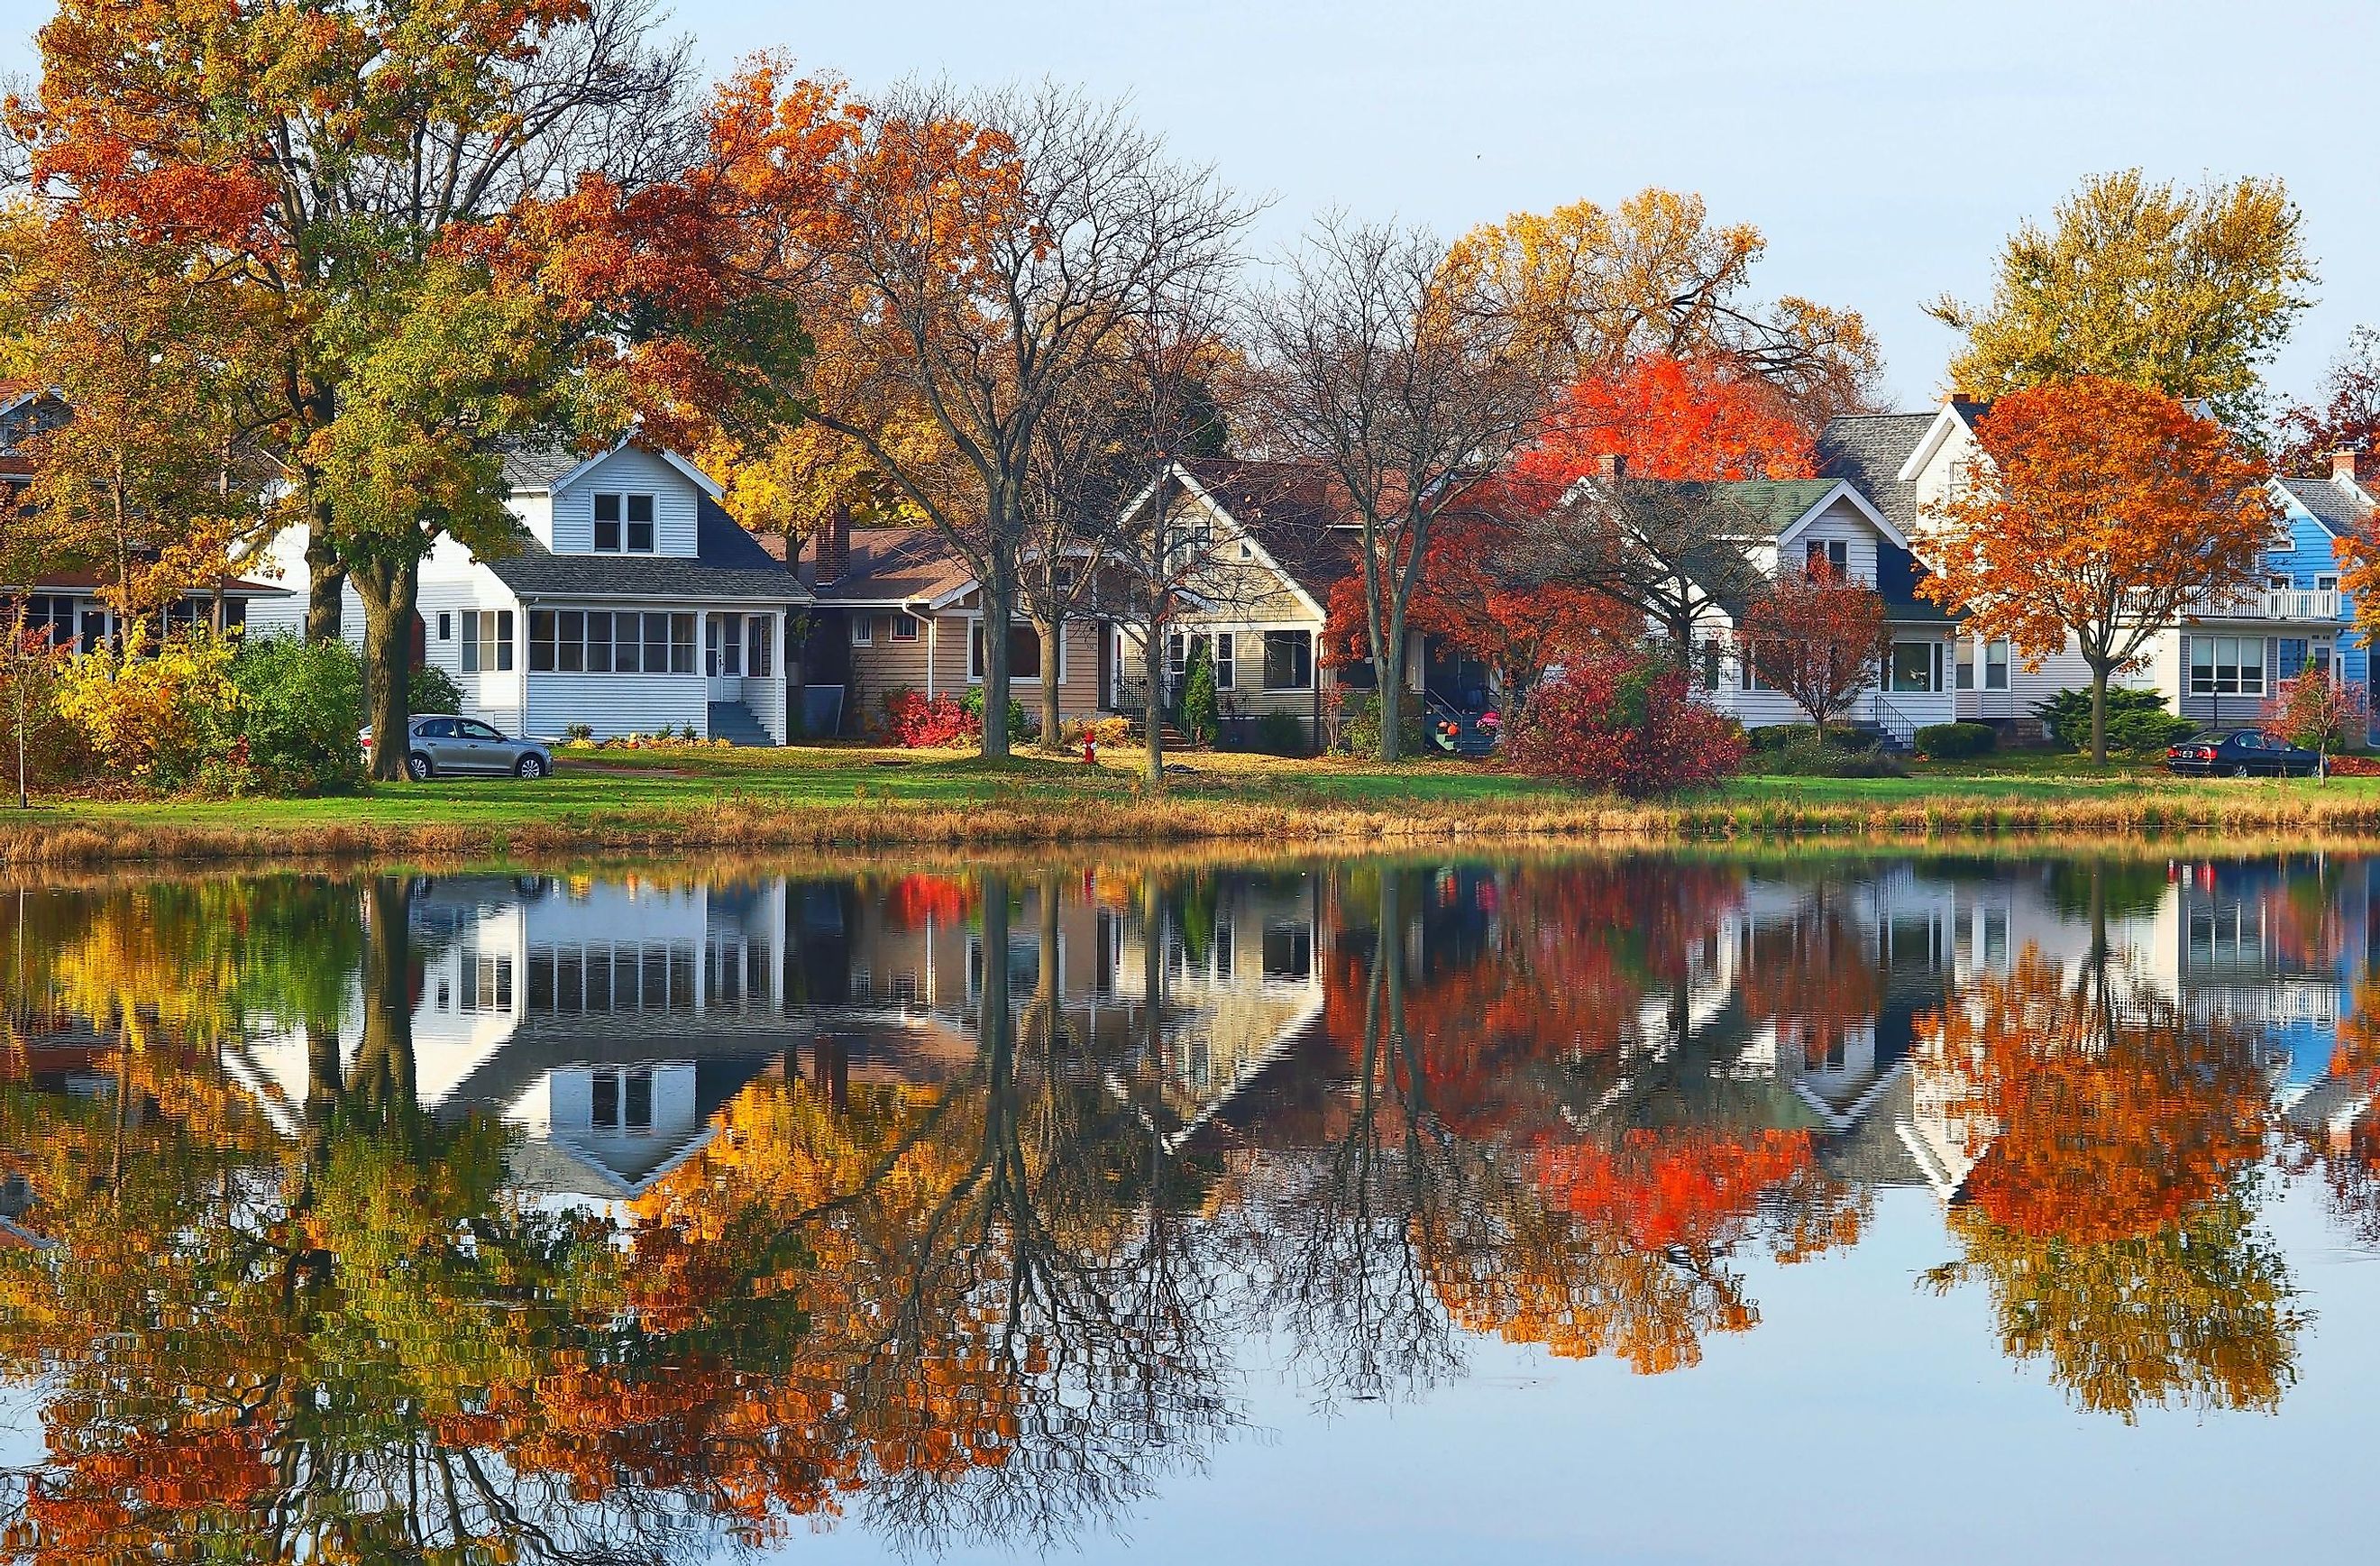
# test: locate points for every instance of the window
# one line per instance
(1915, 665)
(471, 728)
(1753, 678)
(640, 524)
(1226, 668)
(635, 512)
(723, 646)
(1024, 653)
(1710, 656)
(53, 615)
(2325, 584)
(607, 524)
(1996, 665)
(2227, 666)
(905, 626)
(445, 627)
(487, 640)
(1966, 665)
(598, 642)
(1826, 557)
(1288, 660)
(759, 645)
(863, 630)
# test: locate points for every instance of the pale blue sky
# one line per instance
(1884, 149)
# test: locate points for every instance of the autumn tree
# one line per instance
(151, 481)
(2318, 709)
(1815, 637)
(364, 144)
(2347, 418)
(1398, 375)
(1654, 278)
(985, 254)
(2188, 293)
(1668, 418)
(2099, 511)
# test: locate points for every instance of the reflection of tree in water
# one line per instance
(256, 1348)
(2110, 1209)
(1458, 1188)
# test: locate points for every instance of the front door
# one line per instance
(722, 656)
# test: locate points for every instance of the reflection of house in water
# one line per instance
(894, 977)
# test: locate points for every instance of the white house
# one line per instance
(1807, 524)
(633, 603)
(2219, 664)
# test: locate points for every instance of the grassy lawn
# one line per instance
(662, 800)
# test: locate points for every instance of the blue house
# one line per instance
(2317, 512)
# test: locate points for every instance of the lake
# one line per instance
(1805, 1207)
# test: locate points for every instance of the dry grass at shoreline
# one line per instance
(741, 825)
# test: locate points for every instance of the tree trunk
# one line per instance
(326, 581)
(1390, 691)
(384, 1064)
(997, 605)
(2098, 715)
(1052, 637)
(388, 592)
(1152, 672)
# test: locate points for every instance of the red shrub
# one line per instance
(1624, 721)
(914, 723)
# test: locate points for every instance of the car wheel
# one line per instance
(530, 766)
(418, 768)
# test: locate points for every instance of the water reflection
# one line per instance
(634, 1218)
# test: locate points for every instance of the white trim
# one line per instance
(2292, 506)
(1936, 433)
(1842, 487)
(1264, 556)
(555, 486)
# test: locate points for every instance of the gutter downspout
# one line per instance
(933, 638)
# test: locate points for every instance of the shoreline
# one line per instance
(66, 837)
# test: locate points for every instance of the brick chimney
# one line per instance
(834, 547)
(2349, 465)
(1611, 466)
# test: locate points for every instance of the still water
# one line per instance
(1660, 1210)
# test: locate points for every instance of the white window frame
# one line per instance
(1996, 669)
(902, 617)
(2224, 653)
(863, 630)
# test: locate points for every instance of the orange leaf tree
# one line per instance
(2100, 512)
(1669, 418)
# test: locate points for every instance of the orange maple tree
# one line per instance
(2099, 514)
(1668, 418)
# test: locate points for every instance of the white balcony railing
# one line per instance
(2269, 603)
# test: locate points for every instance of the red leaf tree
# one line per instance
(1814, 636)
(1668, 419)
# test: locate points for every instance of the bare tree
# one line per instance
(994, 247)
(1398, 377)
(1679, 552)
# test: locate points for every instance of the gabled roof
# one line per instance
(728, 563)
(1867, 450)
(898, 566)
(1955, 414)
(2329, 503)
(1289, 509)
(552, 466)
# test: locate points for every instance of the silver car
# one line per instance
(446, 746)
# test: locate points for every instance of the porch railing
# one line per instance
(2267, 603)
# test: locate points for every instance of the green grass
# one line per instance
(847, 794)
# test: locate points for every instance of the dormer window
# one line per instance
(1827, 560)
(624, 524)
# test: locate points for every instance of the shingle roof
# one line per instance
(728, 563)
(1290, 509)
(1868, 450)
(1773, 505)
(897, 565)
(2331, 505)
(534, 464)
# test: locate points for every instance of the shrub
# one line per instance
(1776, 736)
(432, 689)
(914, 723)
(1281, 734)
(1021, 723)
(1803, 757)
(301, 705)
(1359, 726)
(1626, 722)
(579, 734)
(1103, 732)
(2136, 719)
(153, 717)
(53, 749)
(1956, 742)
(1199, 696)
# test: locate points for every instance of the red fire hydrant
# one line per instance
(1091, 755)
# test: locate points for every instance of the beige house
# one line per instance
(898, 611)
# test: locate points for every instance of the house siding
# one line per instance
(617, 704)
(627, 471)
(937, 663)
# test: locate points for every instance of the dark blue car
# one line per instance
(2241, 753)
